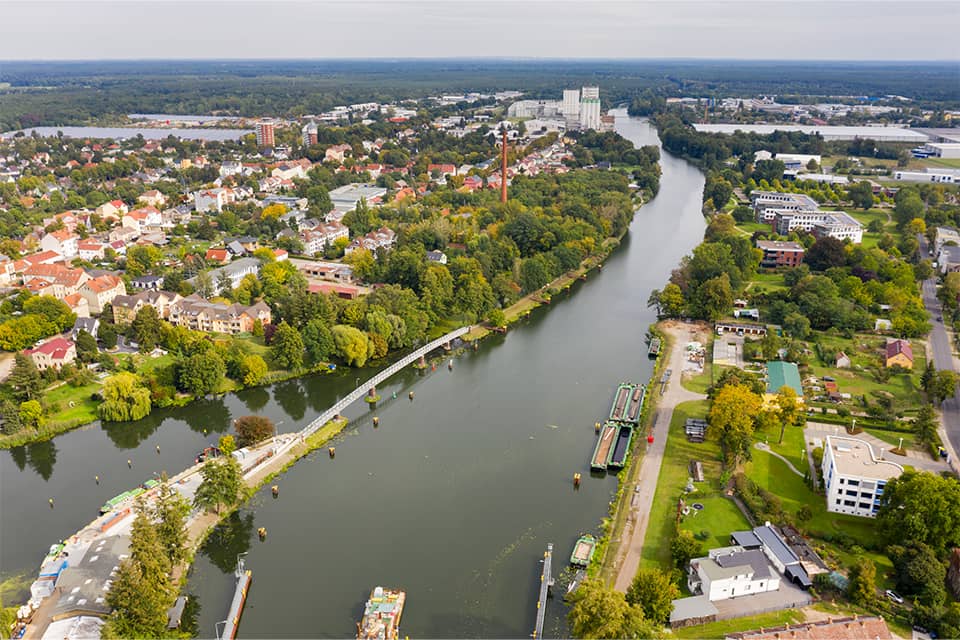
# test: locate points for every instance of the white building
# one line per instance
(729, 572)
(835, 224)
(855, 476)
(767, 203)
(930, 175)
(942, 149)
(571, 104)
(320, 237)
(590, 108)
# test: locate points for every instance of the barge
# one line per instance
(605, 441)
(619, 408)
(621, 450)
(583, 550)
(636, 403)
(381, 615)
(654, 349)
(113, 502)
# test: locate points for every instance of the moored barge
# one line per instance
(605, 441)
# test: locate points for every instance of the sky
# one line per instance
(247, 29)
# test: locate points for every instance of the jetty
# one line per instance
(605, 441)
(230, 625)
(546, 581)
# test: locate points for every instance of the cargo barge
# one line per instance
(621, 451)
(605, 441)
(583, 551)
(636, 403)
(112, 503)
(654, 349)
(619, 408)
(381, 615)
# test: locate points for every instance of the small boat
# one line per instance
(381, 615)
(654, 349)
(578, 577)
(583, 550)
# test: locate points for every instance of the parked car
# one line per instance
(894, 596)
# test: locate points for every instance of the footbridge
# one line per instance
(546, 582)
(372, 383)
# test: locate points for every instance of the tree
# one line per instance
(919, 572)
(714, 297)
(170, 511)
(25, 378)
(788, 409)
(825, 253)
(683, 548)
(87, 350)
(147, 328)
(107, 334)
(497, 318)
(731, 420)
(921, 507)
(654, 592)
(220, 484)
(925, 425)
(253, 429)
(669, 302)
(862, 588)
(318, 340)
(598, 611)
(797, 325)
(943, 386)
(200, 373)
(31, 414)
(351, 344)
(252, 370)
(124, 398)
(227, 444)
(861, 194)
(287, 347)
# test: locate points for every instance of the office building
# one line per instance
(590, 108)
(264, 130)
(855, 476)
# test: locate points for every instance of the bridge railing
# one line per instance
(358, 393)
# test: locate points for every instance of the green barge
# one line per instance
(621, 399)
(605, 442)
(113, 502)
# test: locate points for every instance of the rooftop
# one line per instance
(855, 628)
(854, 457)
(783, 374)
(779, 245)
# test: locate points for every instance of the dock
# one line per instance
(230, 625)
(546, 581)
(605, 441)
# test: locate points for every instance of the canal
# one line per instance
(452, 498)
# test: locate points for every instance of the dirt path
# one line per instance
(628, 555)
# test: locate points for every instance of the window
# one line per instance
(854, 483)
(849, 503)
(852, 493)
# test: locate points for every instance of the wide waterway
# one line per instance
(453, 498)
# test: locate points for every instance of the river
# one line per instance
(452, 498)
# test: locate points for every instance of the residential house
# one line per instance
(63, 242)
(53, 353)
(729, 572)
(112, 210)
(437, 256)
(152, 198)
(782, 374)
(289, 171)
(101, 291)
(315, 240)
(219, 255)
(62, 281)
(382, 238)
(199, 314)
(337, 152)
(78, 304)
(123, 236)
(443, 170)
(778, 253)
(90, 250)
(125, 308)
(144, 283)
(143, 220)
(234, 272)
(899, 353)
(90, 325)
(842, 361)
(854, 476)
(948, 258)
(230, 168)
(213, 199)
(280, 254)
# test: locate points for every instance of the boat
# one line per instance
(113, 502)
(619, 408)
(578, 578)
(636, 402)
(381, 615)
(654, 349)
(605, 441)
(621, 450)
(583, 550)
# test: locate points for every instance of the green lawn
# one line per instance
(953, 163)
(83, 407)
(751, 227)
(719, 517)
(768, 281)
(893, 437)
(723, 627)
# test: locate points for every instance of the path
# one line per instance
(646, 485)
(763, 446)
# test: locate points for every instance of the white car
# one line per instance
(894, 596)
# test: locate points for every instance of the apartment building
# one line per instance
(854, 476)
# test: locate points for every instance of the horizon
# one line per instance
(787, 61)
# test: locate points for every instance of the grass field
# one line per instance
(951, 163)
(83, 407)
(721, 628)
(719, 516)
(768, 281)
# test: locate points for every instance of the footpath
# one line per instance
(628, 555)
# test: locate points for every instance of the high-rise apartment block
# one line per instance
(264, 130)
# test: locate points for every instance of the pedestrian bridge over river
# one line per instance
(372, 383)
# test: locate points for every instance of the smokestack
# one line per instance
(503, 165)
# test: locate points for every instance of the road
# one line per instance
(646, 487)
(941, 350)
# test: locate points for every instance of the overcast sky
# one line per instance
(758, 29)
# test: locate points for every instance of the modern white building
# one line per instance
(833, 224)
(571, 104)
(930, 175)
(767, 203)
(828, 132)
(942, 149)
(729, 572)
(590, 108)
(855, 476)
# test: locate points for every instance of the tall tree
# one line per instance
(731, 420)
(147, 328)
(654, 592)
(253, 429)
(124, 398)
(926, 424)
(220, 485)
(788, 409)
(352, 344)
(921, 507)
(598, 611)
(25, 378)
(170, 510)
(200, 373)
(87, 350)
(287, 347)
(862, 588)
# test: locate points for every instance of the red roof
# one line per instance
(55, 347)
(219, 255)
(895, 347)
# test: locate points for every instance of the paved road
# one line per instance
(941, 350)
(650, 463)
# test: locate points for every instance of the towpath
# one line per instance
(628, 560)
